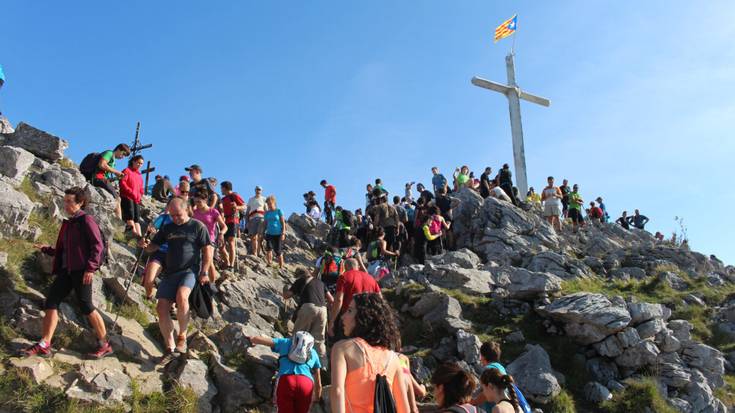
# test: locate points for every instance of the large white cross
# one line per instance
(514, 93)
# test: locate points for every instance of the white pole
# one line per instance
(519, 155)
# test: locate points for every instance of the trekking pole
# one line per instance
(237, 237)
(130, 281)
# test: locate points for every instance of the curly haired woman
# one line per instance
(369, 350)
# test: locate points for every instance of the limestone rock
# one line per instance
(453, 276)
(235, 392)
(101, 381)
(14, 163)
(193, 374)
(463, 258)
(15, 210)
(596, 392)
(642, 354)
(641, 312)
(40, 143)
(524, 284)
(709, 360)
(36, 367)
(651, 328)
(534, 375)
(562, 266)
(441, 311)
(602, 370)
(589, 317)
(468, 346)
(682, 329)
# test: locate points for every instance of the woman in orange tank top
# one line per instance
(373, 336)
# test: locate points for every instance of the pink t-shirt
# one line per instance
(209, 219)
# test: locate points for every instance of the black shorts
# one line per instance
(160, 258)
(130, 210)
(104, 184)
(231, 230)
(273, 243)
(575, 215)
(62, 286)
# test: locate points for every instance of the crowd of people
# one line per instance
(343, 326)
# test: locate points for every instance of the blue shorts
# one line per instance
(171, 283)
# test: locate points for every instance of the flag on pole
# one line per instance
(506, 28)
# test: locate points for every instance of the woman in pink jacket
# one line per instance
(131, 192)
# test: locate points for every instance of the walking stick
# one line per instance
(237, 237)
(130, 280)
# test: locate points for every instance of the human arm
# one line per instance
(360, 262)
(222, 227)
(445, 224)
(336, 307)
(96, 246)
(204, 276)
(384, 250)
(283, 226)
(104, 164)
(339, 374)
(317, 395)
(262, 340)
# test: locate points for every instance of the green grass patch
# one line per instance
(20, 257)
(562, 403)
(67, 163)
(49, 227)
(726, 393)
(131, 311)
(636, 397)
(27, 188)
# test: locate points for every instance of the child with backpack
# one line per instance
(298, 383)
(434, 229)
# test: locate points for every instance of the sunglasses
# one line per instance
(184, 192)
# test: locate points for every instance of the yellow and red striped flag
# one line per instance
(506, 28)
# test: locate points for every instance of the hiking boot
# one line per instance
(167, 357)
(101, 352)
(36, 350)
(181, 343)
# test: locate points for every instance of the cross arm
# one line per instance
(497, 87)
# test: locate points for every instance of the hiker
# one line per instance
(402, 229)
(437, 181)
(183, 179)
(199, 184)
(532, 197)
(485, 182)
(564, 188)
(551, 196)
(275, 231)
(575, 208)
(419, 239)
(373, 337)
(415, 390)
(352, 282)
(594, 213)
(329, 266)
(131, 192)
(368, 196)
(445, 203)
(353, 251)
(311, 314)
(377, 249)
(330, 200)
(156, 261)
(461, 178)
(309, 200)
(497, 388)
(255, 213)
(298, 383)
(162, 189)
(315, 212)
(490, 359)
(232, 206)
(186, 239)
(435, 227)
(637, 220)
(624, 220)
(408, 192)
(379, 186)
(216, 228)
(605, 215)
(78, 254)
(385, 216)
(425, 193)
(453, 389)
(505, 181)
(106, 172)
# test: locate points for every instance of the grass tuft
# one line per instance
(636, 397)
(562, 403)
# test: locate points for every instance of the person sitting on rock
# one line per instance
(131, 193)
(311, 314)
(106, 172)
(370, 350)
(298, 384)
(497, 388)
(595, 213)
(453, 389)
(490, 359)
(532, 197)
(78, 254)
(187, 239)
(497, 192)
(162, 189)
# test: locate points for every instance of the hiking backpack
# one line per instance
(105, 258)
(301, 345)
(332, 264)
(373, 251)
(383, 401)
(89, 165)
(435, 226)
(522, 402)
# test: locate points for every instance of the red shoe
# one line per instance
(36, 350)
(103, 351)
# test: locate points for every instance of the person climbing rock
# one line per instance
(131, 193)
(330, 201)
(275, 232)
(232, 206)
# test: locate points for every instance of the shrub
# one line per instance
(637, 396)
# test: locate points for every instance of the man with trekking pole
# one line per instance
(186, 257)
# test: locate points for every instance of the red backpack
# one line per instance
(435, 226)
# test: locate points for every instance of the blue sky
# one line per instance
(283, 94)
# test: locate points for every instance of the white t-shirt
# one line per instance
(499, 193)
(551, 197)
(256, 203)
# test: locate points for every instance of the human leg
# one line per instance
(182, 316)
(152, 269)
(165, 324)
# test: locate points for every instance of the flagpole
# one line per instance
(513, 45)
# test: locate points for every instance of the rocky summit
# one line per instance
(587, 321)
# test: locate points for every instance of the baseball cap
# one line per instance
(193, 167)
(258, 188)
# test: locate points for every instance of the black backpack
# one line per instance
(200, 300)
(383, 400)
(89, 165)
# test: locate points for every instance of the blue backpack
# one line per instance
(522, 402)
